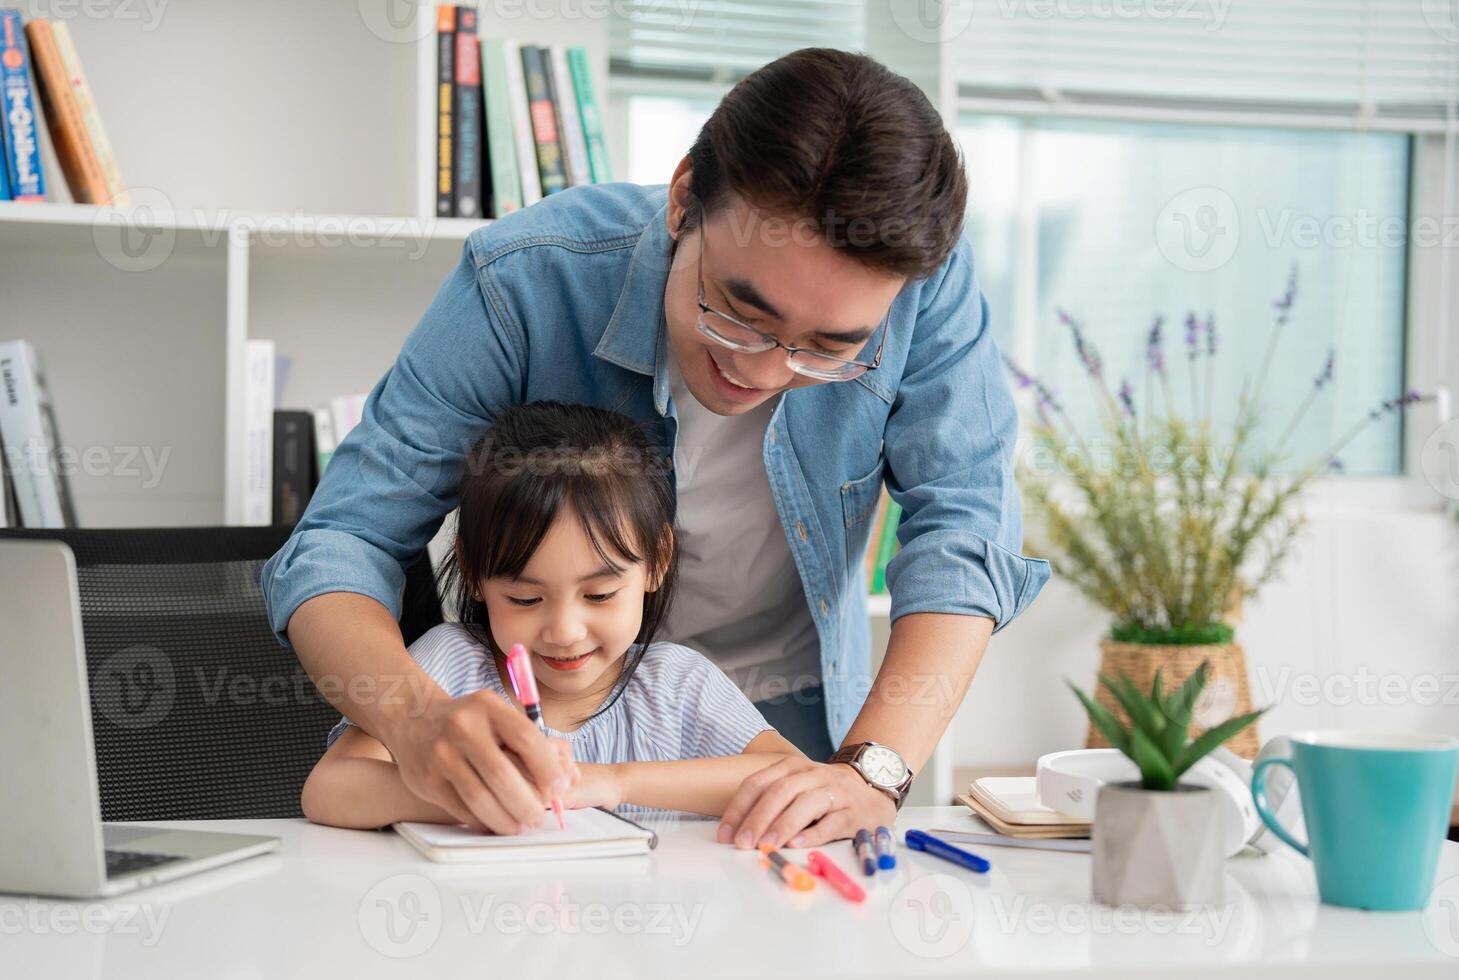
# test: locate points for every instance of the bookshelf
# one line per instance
(281, 158)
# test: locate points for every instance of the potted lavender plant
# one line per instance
(1167, 524)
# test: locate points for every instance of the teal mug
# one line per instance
(1376, 808)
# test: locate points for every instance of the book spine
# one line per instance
(73, 146)
(544, 119)
(467, 150)
(27, 425)
(501, 140)
(9, 506)
(575, 148)
(873, 538)
(22, 158)
(293, 465)
(324, 441)
(592, 116)
(887, 547)
(116, 193)
(258, 431)
(522, 139)
(4, 157)
(346, 412)
(445, 92)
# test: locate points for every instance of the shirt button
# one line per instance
(772, 436)
(800, 529)
(825, 609)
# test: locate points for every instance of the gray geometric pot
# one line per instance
(1154, 847)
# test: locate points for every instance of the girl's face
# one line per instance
(576, 615)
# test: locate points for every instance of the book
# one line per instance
(1010, 805)
(445, 108)
(501, 136)
(258, 431)
(467, 192)
(79, 163)
(522, 139)
(574, 146)
(9, 506)
(32, 440)
(1023, 831)
(544, 119)
(590, 113)
(116, 193)
(345, 413)
(18, 121)
(4, 168)
(590, 833)
(295, 465)
(873, 537)
(886, 545)
(324, 441)
(1015, 800)
(973, 829)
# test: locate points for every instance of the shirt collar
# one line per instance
(635, 335)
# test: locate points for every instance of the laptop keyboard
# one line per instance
(125, 862)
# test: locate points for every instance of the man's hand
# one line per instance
(482, 761)
(799, 803)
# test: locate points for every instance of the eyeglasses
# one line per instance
(728, 331)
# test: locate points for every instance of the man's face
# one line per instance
(779, 276)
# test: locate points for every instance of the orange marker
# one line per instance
(824, 867)
(787, 871)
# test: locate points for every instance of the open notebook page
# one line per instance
(589, 833)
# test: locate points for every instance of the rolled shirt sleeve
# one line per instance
(949, 447)
(392, 480)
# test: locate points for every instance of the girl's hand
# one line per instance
(563, 748)
(598, 786)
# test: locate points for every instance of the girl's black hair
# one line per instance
(538, 458)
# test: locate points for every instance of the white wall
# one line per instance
(1361, 631)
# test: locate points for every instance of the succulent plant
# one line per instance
(1156, 740)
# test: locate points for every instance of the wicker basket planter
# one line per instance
(1227, 692)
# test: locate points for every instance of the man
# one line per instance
(796, 320)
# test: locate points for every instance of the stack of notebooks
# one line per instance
(1009, 807)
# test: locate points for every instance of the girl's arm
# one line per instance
(357, 784)
(692, 785)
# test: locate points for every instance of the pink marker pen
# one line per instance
(524, 686)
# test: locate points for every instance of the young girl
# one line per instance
(565, 544)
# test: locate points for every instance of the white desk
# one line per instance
(352, 904)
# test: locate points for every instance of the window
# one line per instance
(1116, 223)
(660, 131)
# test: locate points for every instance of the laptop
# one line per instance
(52, 840)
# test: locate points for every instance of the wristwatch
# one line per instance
(880, 766)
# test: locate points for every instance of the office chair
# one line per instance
(198, 712)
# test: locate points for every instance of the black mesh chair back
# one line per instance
(197, 711)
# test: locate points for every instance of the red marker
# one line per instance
(824, 867)
(524, 686)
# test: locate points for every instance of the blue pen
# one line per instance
(864, 854)
(918, 841)
(885, 859)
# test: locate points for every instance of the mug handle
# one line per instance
(1259, 797)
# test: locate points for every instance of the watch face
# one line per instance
(882, 766)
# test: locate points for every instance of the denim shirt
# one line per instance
(564, 301)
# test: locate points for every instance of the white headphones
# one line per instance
(1069, 782)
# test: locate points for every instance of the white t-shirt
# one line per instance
(740, 599)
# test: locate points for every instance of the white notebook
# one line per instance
(590, 833)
